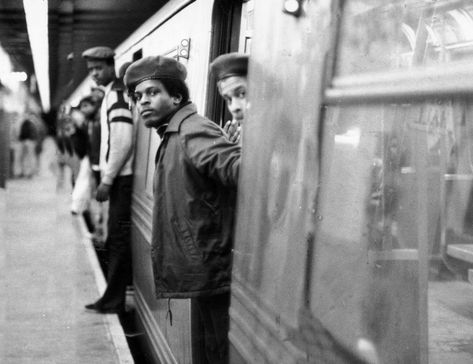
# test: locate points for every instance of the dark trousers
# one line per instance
(118, 244)
(215, 319)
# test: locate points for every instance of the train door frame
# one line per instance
(226, 17)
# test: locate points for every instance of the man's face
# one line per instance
(78, 118)
(97, 94)
(101, 72)
(153, 102)
(233, 90)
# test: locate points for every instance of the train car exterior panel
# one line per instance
(280, 179)
(168, 335)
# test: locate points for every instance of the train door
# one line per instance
(354, 216)
(278, 185)
(226, 20)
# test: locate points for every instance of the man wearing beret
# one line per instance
(116, 157)
(231, 71)
(194, 197)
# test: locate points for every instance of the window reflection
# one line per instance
(378, 35)
(399, 186)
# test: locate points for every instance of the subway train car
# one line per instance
(354, 232)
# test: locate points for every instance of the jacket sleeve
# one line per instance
(120, 136)
(209, 150)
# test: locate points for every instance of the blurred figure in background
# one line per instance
(28, 138)
(98, 93)
(89, 106)
(82, 192)
(64, 147)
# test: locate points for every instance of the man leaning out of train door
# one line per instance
(116, 170)
(194, 197)
(231, 72)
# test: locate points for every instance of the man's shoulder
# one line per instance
(117, 98)
(197, 123)
(188, 121)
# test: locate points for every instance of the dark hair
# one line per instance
(176, 88)
(109, 61)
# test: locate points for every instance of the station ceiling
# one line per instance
(74, 25)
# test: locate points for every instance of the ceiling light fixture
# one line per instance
(36, 12)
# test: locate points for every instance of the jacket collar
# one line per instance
(179, 116)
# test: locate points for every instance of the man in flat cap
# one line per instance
(194, 197)
(231, 71)
(116, 157)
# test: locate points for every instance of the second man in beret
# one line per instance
(194, 189)
(230, 71)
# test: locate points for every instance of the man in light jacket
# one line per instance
(116, 170)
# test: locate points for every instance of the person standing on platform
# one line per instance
(231, 72)
(28, 138)
(88, 106)
(194, 189)
(116, 158)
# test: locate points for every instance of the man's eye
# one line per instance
(152, 92)
(241, 94)
(136, 97)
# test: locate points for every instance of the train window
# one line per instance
(398, 181)
(137, 55)
(246, 28)
(397, 228)
(379, 35)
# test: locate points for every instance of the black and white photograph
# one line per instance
(236, 181)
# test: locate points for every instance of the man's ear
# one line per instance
(177, 99)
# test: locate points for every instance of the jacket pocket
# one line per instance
(186, 241)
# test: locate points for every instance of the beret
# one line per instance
(153, 68)
(98, 53)
(230, 64)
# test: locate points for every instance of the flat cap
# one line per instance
(98, 53)
(154, 68)
(230, 64)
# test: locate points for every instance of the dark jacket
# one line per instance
(28, 131)
(194, 203)
(80, 140)
(93, 149)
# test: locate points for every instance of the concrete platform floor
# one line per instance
(46, 277)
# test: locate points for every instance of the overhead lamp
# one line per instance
(13, 76)
(36, 12)
(293, 7)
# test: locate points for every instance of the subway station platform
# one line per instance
(48, 272)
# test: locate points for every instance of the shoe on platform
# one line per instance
(98, 242)
(95, 307)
